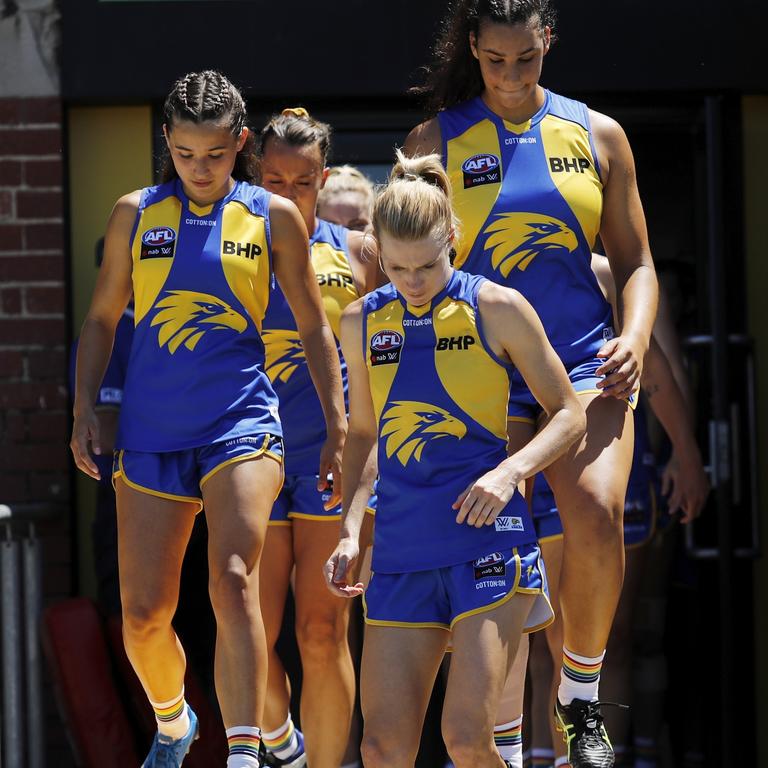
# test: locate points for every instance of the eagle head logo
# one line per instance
(284, 354)
(185, 317)
(517, 238)
(410, 425)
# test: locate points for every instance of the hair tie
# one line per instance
(295, 111)
(411, 176)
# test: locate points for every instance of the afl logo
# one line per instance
(158, 236)
(495, 557)
(386, 341)
(386, 347)
(480, 164)
(158, 243)
(481, 169)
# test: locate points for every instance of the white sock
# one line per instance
(561, 761)
(243, 741)
(509, 741)
(283, 741)
(579, 677)
(172, 716)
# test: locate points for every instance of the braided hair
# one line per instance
(454, 74)
(208, 96)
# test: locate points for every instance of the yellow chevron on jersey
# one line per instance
(186, 316)
(409, 425)
(472, 210)
(385, 324)
(151, 274)
(334, 276)
(243, 242)
(455, 326)
(284, 353)
(566, 141)
(516, 239)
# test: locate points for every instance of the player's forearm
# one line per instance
(93, 352)
(638, 293)
(359, 468)
(560, 432)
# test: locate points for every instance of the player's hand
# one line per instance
(338, 567)
(85, 431)
(622, 368)
(330, 464)
(685, 484)
(481, 501)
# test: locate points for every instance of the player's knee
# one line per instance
(467, 746)
(598, 516)
(383, 752)
(146, 615)
(233, 590)
(320, 638)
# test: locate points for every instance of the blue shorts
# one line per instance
(442, 596)
(524, 407)
(639, 514)
(180, 475)
(300, 499)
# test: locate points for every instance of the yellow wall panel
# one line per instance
(109, 154)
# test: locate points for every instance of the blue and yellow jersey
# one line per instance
(440, 397)
(201, 280)
(300, 411)
(529, 198)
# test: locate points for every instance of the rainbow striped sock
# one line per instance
(244, 742)
(508, 738)
(579, 677)
(172, 716)
(283, 741)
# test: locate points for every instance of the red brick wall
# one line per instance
(34, 404)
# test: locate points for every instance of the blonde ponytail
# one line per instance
(416, 202)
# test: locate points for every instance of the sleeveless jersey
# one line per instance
(440, 397)
(529, 198)
(300, 411)
(201, 286)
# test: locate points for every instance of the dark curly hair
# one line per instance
(208, 96)
(454, 74)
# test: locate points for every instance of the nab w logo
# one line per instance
(284, 354)
(158, 243)
(248, 250)
(409, 425)
(186, 316)
(449, 343)
(386, 347)
(516, 239)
